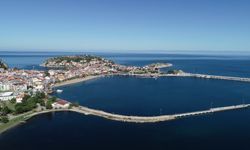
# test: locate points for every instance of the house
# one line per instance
(60, 104)
(19, 98)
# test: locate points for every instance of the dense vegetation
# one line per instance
(49, 102)
(38, 100)
(174, 71)
(30, 103)
(3, 65)
(77, 58)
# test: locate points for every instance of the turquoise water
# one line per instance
(142, 96)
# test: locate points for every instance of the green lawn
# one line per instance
(10, 105)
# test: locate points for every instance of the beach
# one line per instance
(76, 80)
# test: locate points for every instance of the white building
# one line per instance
(19, 98)
(5, 96)
(5, 86)
(61, 104)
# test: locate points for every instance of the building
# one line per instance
(5, 86)
(60, 104)
(5, 96)
(19, 98)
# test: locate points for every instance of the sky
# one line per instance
(118, 25)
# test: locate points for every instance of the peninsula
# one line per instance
(25, 93)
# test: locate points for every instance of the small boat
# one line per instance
(59, 91)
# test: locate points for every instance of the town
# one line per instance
(27, 90)
(27, 93)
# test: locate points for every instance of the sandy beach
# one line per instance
(75, 81)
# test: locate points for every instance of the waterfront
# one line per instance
(143, 96)
(229, 65)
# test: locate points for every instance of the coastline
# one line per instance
(204, 76)
(23, 118)
(136, 119)
(77, 80)
(14, 122)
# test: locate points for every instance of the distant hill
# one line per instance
(3, 65)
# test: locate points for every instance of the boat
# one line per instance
(59, 91)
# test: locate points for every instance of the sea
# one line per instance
(142, 97)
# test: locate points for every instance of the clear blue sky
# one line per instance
(125, 25)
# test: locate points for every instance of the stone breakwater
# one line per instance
(204, 76)
(152, 119)
(123, 118)
(141, 119)
(155, 75)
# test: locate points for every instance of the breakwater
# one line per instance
(193, 75)
(141, 119)
(205, 76)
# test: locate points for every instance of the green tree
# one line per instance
(49, 105)
(5, 110)
(40, 95)
(26, 105)
(3, 65)
(26, 97)
(13, 100)
(19, 109)
(46, 73)
(52, 99)
(4, 119)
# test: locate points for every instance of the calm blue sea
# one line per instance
(230, 65)
(142, 96)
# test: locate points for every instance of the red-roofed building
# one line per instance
(61, 104)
